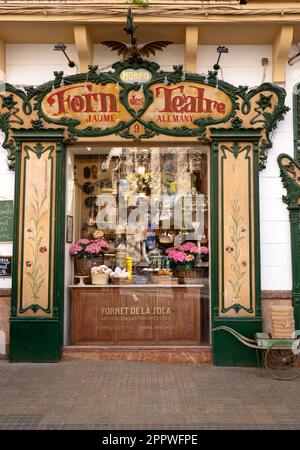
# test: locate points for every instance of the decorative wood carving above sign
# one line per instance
(158, 103)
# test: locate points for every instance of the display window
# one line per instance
(141, 220)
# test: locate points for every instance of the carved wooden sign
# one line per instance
(99, 106)
(133, 315)
(187, 103)
(89, 104)
(138, 101)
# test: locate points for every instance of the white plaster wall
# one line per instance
(274, 225)
(34, 64)
(242, 65)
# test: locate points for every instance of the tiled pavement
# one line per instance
(138, 395)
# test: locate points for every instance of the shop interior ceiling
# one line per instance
(95, 149)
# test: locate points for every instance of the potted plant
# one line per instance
(183, 259)
(204, 253)
(88, 253)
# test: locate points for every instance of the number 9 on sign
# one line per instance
(136, 127)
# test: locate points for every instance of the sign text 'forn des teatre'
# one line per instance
(184, 103)
(174, 105)
(91, 104)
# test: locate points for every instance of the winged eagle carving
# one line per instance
(135, 50)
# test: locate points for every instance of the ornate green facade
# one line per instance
(290, 175)
(236, 124)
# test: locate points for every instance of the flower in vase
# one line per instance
(190, 258)
(88, 248)
(189, 247)
(75, 249)
(177, 256)
(83, 241)
(185, 256)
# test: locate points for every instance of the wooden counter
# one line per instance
(135, 315)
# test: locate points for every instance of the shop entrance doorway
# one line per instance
(139, 233)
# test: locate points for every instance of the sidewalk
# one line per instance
(139, 395)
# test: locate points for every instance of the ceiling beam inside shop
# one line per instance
(191, 48)
(84, 47)
(281, 47)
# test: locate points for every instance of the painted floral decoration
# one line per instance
(235, 249)
(34, 272)
(86, 248)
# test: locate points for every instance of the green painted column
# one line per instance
(290, 174)
(36, 324)
(294, 214)
(235, 243)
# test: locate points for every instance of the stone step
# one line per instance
(184, 354)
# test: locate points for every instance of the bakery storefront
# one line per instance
(141, 219)
(137, 211)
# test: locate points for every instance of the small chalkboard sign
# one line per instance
(5, 266)
(6, 220)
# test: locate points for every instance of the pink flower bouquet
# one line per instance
(86, 248)
(204, 252)
(184, 256)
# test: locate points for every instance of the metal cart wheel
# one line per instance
(280, 363)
